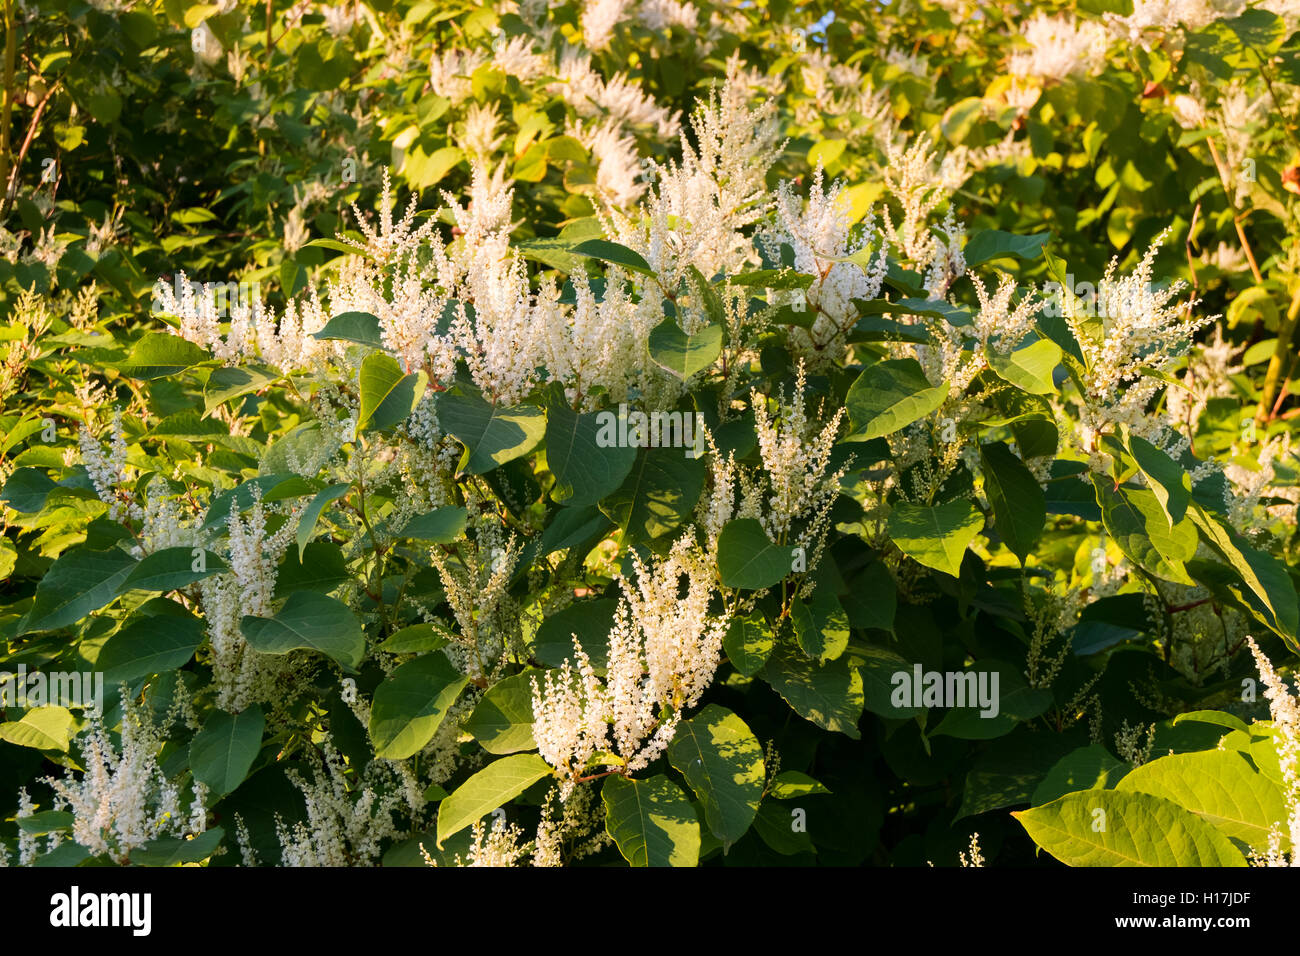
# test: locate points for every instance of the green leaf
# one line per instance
(1169, 481)
(27, 489)
(1030, 367)
(791, 785)
(41, 728)
(417, 639)
(440, 526)
(657, 496)
(149, 645)
(359, 327)
(1133, 829)
(409, 707)
(990, 244)
(829, 695)
(651, 821)
(723, 763)
(174, 851)
(231, 382)
(79, 582)
(160, 355)
(222, 753)
(590, 620)
(309, 621)
(312, 513)
(1134, 518)
(889, 396)
(387, 396)
(619, 255)
(1222, 787)
(681, 354)
(1269, 588)
(587, 467)
(494, 786)
(171, 569)
(747, 559)
(1087, 768)
(821, 627)
(1019, 505)
(502, 720)
(492, 435)
(748, 643)
(935, 535)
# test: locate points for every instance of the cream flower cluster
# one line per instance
(1059, 47)
(243, 676)
(107, 470)
(1136, 332)
(347, 823)
(1285, 711)
(122, 799)
(794, 490)
(819, 234)
(663, 652)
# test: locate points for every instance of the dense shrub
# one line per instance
(652, 431)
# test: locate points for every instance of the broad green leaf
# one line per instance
(410, 705)
(990, 244)
(149, 645)
(748, 560)
(657, 497)
(829, 695)
(174, 851)
(231, 382)
(1087, 768)
(589, 620)
(441, 526)
(309, 621)
(791, 784)
(27, 489)
(222, 753)
(360, 327)
(417, 639)
(879, 665)
(1029, 367)
(619, 255)
(586, 465)
(1019, 506)
(748, 643)
(172, 568)
(820, 626)
(1270, 589)
(935, 535)
(723, 763)
(160, 355)
(651, 821)
(492, 435)
(889, 396)
(681, 354)
(387, 395)
(79, 582)
(1169, 481)
(312, 513)
(1112, 828)
(494, 786)
(1134, 518)
(1222, 787)
(502, 720)
(41, 728)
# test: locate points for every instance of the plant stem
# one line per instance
(1281, 353)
